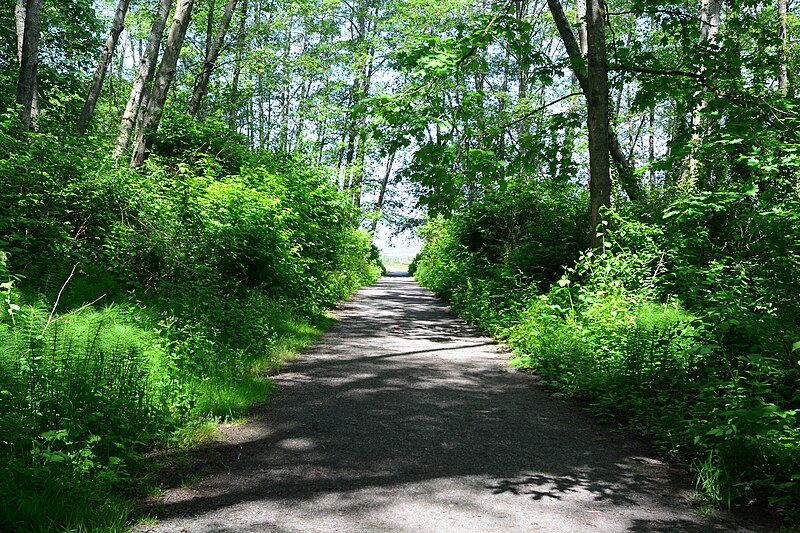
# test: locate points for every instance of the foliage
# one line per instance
(684, 326)
(216, 257)
(138, 303)
(495, 252)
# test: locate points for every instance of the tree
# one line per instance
(28, 60)
(143, 77)
(237, 69)
(597, 106)
(595, 88)
(166, 73)
(624, 169)
(382, 191)
(783, 71)
(105, 59)
(709, 27)
(212, 54)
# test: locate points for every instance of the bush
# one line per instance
(685, 326)
(200, 272)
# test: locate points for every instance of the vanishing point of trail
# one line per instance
(402, 418)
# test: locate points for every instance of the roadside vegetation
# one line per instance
(613, 188)
(682, 325)
(140, 305)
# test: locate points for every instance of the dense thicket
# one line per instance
(685, 325)
(204, 269)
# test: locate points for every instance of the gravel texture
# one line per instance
(402, 418)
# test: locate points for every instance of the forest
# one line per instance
(612, 189)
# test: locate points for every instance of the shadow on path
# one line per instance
(403, 418)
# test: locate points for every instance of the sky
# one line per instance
(403, 246)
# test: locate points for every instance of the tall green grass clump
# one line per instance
(80, 395)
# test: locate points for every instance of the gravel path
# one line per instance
(402, 418)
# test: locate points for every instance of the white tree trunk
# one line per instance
(212, 55)
(783, 74)
(710, 13)
(580, 12)
(164, 77)
(143, 76)
(102, 66)
(28, 55)
(237, 69)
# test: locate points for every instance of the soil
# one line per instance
(403, 418)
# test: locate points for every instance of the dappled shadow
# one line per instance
(403, 411)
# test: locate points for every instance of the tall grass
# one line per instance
(84, 393)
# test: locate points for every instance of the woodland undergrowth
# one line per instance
(140, 306)
(683, 326)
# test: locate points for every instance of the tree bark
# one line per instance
(286, 82)
(783, 73)
(357, 143)
(237, 69)
(710, 13)
(598, 124)
(19, 20)
(164, 77)
(651, 146)
(143, 76)
(28, 63)
(212, 55)
(100, 73)
(624, 168)
(382, 193)
(19, 15)
(580, 12)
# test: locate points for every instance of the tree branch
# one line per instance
(679, 14)
(657, 72)
(538, 109)
(484, 34)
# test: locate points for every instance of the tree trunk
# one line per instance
(237, 69)
(142, 79)
(627, 179)
(19, 15)
(651, 146)
(102, 66)
(123, 52)
(166, 73)
(580, 12)
(212, 55)
(783, 73)
(19, 19)
(28, 63)
(709, 26)
(597, 105)
(357, 144)
(382, 193)
(283, 117)
(210, 26)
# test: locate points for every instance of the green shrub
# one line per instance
(685, 326)
(137, 303)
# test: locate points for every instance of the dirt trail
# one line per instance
(402, 418)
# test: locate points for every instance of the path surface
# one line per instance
(402, 418)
